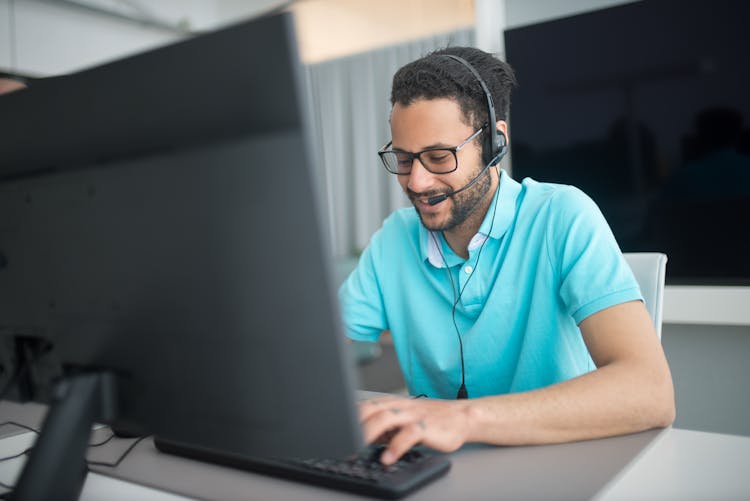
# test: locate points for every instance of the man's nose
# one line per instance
(420, 179)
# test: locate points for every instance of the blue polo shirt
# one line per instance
(543, 260)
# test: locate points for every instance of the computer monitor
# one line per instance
(162, 251)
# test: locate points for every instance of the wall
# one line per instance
(6, 35)
(331, 29)
(43, 38)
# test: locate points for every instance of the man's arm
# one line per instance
(631, 390)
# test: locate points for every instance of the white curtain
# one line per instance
(350, 101)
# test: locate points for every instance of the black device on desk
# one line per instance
(361, 473)
(163, 263)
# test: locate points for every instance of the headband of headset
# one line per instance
(495, 146)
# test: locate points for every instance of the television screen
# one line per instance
(646, 107)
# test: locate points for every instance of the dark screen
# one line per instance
(646, 107)
(159, 221)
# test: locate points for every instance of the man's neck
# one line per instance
(458, 238)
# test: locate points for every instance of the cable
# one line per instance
(456, 298)
(25, 427)
(14, 456)
(8, 458)
(12, 380)
(106, 440)
(462, 392)
(25, 365)
(34, 430)
(120, 459)
(88, 463)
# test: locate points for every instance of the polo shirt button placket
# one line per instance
(464, 278)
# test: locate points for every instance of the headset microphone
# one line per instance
(500, 154)
(439, 198)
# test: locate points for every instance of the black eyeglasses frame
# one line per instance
(418, 155)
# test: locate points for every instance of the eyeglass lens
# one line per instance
(436, 161)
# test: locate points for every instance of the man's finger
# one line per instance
(406, 438)
(387, 419)
(369, 407)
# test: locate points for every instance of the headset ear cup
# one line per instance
(488, 149)
(502, 145)
(496, 149)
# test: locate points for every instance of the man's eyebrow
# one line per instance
(429, 147)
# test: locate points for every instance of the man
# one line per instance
(515, 295)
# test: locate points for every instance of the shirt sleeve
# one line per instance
(592, 271)
(361, 298)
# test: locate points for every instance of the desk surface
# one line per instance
(658, 464)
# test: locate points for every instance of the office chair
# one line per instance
(649, 269)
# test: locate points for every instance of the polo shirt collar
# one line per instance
(505, 197)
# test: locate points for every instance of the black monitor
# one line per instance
(645, 106)
(163, 262)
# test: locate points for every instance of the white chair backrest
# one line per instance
(649, 269)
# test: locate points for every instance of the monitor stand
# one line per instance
(56, 468)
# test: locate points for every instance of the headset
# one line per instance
(495, 145)
(494, 148)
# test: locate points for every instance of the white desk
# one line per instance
(706, 305)
(659, 464)
(684, 464)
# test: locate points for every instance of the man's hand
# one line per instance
(405, 422)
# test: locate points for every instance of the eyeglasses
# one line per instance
(435, 160)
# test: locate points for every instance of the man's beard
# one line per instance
(464, 204)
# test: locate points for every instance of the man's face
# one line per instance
(438, 123)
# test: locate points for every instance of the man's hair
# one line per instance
(434, 76)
